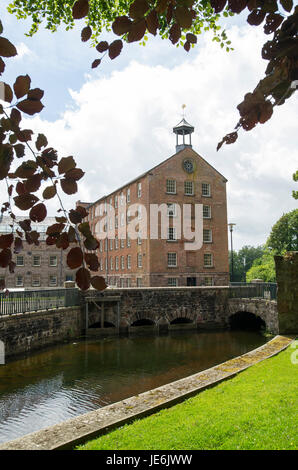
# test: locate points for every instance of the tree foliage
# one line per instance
(181, 22)
(284, 234)
(45, 172)
(262, 268)
(243, 261)
(295, 178)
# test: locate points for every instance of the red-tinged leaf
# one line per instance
(51, 240)
(69, 185)
(25, 225)
(250, 120)
(41, 141)
(83, 278)
(72, 235)
(170, 12)
(121, 25)
(49, 192)
(50, 153)
(75, 217)
(15, 116)
(161, 6)
(7, 49)
(6, 241)
(102, 46)
(82, 211)
(5, 257)
(6, 93)
(63, 241)
(61, 220)
(80, 9)
(6, 157)
(92, 261)
(2, 66)
(10, 189)
(91, 243)
(137, 31)
(66, 164)
(96, 63)
(273, 21)
(115, 48)
(32, 237)
(287, 5)
(236, 6)
(98, 283)
(24, 135)
(2, 284)
(192, 38)
(74, 258)
(228, 139)
(26, 169)
(35, 94)
(33, 183)
(11, 266)
(18, 245)
(218, 5)
(86, 33)
(30, 106)
(55, 229)
(25, 201)
(84, 228)
(76, 174)
(22, 86)
(184, 17)
(38, 213)
(266, 112)
(187, 46)
(175, 33)
(20, 188)
(138, 9)
(152, 22)
(256, 17)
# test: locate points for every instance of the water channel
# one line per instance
(64, 381)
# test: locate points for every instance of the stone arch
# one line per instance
(142, 319)
(110, 317)
(182, 315)
(143, 322)
(243, 320)
(264, 309)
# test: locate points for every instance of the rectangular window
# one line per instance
(121, 242)
(128, 241)
(172, 281)
(100, 246)
(172, 234)
(208, 260)
(53, 281)
(101, 264)
(111, 223)
(140, 260)
(100, 209)
(206, 212)
(35, 281)
(116, 263)
(171, 187)
(106, 264)
(36, 260)
(139, 241)
(208, 281)
(121, 199)
(111, 264)
(171, 209)
(122, 282)
(139, 282)
(116, 202)
(106, 244)
(116, 221)
(111, 244)
(105, 207)
(19, 281)
(20, 261)
(188, 188)
(122, 262)
(128, 282)
(206, 190)
(116, 243)
(128, 195)
(172, 260)
(139, 212)
(139, 191)
(122, 220)
(207, 235)
(128, 261)
(111, 204)
(53, 260)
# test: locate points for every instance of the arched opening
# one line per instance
(180, 320)
(106, 324)
(246, 321)
(143, 322)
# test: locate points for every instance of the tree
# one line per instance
(181, 22)
(262, 268)
(284, 234)
(295, 178)
(243, 261)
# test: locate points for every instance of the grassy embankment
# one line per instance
(257, 409)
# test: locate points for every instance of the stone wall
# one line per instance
(287, 293)
(265, 309)
(25, 332)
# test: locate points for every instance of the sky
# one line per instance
(117, 120)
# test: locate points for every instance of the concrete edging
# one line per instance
(76, 430)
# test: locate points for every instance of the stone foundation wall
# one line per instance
(26, 332)
(265, 309)
(287, 293)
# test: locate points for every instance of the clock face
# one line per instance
(188, 166)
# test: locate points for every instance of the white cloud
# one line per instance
(121, 125)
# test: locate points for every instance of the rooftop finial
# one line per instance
(183, 112)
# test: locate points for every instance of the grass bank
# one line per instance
(257, 409)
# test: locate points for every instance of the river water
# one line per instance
(64, 381)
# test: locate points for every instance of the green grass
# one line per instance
(257, 409)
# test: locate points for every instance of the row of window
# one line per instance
(36, 260)
(171, 188)
(172, 281)
(36, 281)
(172, 260)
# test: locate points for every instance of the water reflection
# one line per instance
(70, 379)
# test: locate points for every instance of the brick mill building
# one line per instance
(184, 178)
(36, 266)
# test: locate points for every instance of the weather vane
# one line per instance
(183, 108)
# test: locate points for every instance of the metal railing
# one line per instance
(263, 290)
(33, 300)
